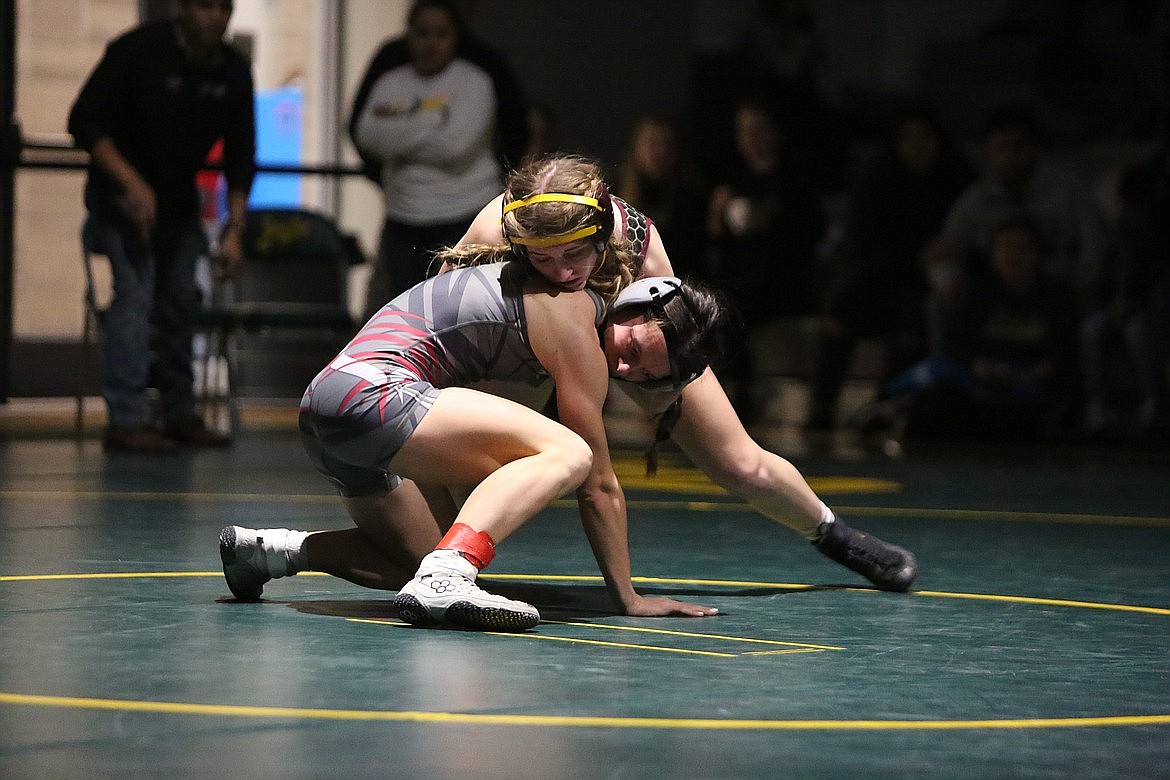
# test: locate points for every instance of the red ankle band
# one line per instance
(475, 546)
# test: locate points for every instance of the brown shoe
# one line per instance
(192, 432)
(136, 438)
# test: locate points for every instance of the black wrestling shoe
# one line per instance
(887, 566)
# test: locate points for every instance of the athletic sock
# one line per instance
(447, 562)
(284, 551)
(827, 519)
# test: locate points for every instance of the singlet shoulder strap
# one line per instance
(598, 307)
(636, 226)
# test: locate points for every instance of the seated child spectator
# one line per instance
(1008, 356)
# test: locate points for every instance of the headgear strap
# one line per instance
(563, 238)
(554, 197)
(654, 292)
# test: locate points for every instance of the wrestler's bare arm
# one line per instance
(486, 228)
(565, 340)
(657, 262)
(563, 337)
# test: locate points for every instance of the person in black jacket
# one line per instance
(765, 221)
(149, 113)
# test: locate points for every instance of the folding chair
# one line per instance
(215, 372)
(290, 299)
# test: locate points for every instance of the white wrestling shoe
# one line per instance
(249, 560)
(444, 593)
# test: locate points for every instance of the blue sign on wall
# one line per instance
(279, 127)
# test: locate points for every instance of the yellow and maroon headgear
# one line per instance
(596, 222)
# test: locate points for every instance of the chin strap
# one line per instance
(475, 546)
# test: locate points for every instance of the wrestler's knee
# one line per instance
(574, 456)
(740, 470)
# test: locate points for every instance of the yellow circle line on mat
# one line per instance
(459, 718)
(789, 647)
(227, 710)
(574, 640)
(639, 580)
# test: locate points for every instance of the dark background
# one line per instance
(1095, 71)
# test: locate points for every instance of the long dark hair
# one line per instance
(446, 6)
(696, 323)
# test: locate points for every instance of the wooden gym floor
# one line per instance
(1037, 642)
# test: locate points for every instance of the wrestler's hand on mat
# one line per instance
(661, 606)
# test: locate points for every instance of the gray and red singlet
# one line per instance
(453, 330)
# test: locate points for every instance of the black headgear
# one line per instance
(654, 292)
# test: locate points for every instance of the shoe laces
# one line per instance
(450, 582)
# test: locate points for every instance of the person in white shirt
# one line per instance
(431, 123)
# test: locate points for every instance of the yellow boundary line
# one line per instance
(710, 724)
(572, 640)
(789, 647)
(580, 721)
(693, 634)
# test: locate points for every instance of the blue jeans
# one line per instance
(147, 329)
(947, 372)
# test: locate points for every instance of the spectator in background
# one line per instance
(878, 287)
(1007, 364)
(148, 115)
(512, 128)
(785, 57)
(778, 53)
(1135, 303)
(1156, 202)
(1018, 180)
(765, 221)
(657, 178)
(429, 126)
